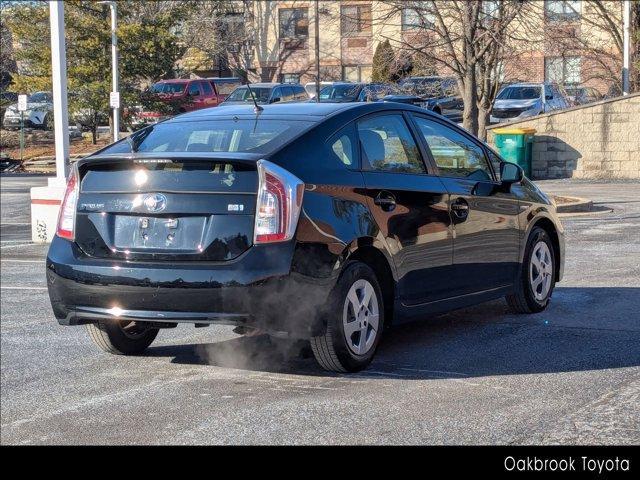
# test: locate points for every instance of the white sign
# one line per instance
(22, 103)
(114, 99)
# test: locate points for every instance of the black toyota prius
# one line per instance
(322, 222)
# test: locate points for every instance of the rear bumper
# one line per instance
(257, 289)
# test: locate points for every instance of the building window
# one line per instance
(290, 78)
(416, 18)
(294, 23)
(490, 9)
(356, 73)
(356, 20)
(562, 10)
(562, 70)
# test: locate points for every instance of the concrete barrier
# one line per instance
(597, 140)
(45, 205)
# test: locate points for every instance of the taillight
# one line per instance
(278, 205)
(67, 215)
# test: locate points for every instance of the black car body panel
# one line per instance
(427, 260)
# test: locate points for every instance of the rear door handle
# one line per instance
(460, 208)
(386, 201)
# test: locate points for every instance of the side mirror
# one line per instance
(510, 173)
(548, 97)
(275, 100)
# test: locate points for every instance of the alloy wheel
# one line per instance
(361, 317)
(541, 271)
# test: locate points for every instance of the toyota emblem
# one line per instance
(156, 202)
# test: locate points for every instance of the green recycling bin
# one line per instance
(516, 145)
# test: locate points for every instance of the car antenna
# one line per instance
(256, 108)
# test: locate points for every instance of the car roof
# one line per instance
(308, 111)
(529, 84)
(178, 80)
(430, 77)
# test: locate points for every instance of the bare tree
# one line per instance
(467, 38)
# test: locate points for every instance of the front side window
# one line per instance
(356, 20)
(387, 145)
(194, 90)
(264, 136)
(562, 10)
(454, 154)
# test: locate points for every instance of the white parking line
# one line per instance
(17, 260)
(13, 223)
(2, 287)
(16, 246)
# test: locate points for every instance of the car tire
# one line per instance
(119, 338)
(47, 122)
(355, 307)
(536, 276)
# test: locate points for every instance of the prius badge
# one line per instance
(155, 202)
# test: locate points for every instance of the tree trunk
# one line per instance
(94, 134)
(483, 122)
(469, 97)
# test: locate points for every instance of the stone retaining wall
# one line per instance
(599, 140)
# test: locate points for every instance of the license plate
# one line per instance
(159, 233)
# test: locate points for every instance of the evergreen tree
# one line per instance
(383, 63)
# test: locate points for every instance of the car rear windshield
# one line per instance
(242, 94)
(168, 87)
(39, 97)
(519, 93)
(250, 136)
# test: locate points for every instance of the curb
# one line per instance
(578, 207)
(575, 205)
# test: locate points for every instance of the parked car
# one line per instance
(320, 221)
(184, 95)
(345, 92)
(266, 93)
(39, 112)
(580, 95)
(310, 87)
(223, 86)
(6, 99)
(440, 95)
(523, 100)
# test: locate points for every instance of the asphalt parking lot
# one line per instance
(477, 376)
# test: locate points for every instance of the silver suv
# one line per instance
(521, 100)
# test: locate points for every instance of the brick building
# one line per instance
(565, 41)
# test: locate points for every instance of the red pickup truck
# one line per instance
(187, 95)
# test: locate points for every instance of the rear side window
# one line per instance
(455, 154)
(343, 146)
(263, 136)
(301, 93)
(207, 89)
(387, 145)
